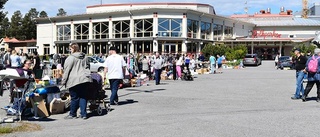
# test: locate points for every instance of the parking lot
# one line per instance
(254, 101)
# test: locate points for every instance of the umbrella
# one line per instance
(11, 74)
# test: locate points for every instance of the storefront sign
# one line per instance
(262, 33)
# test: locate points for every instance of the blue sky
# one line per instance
(222, 7)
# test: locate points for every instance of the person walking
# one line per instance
(6, 58)
(115, 68)
(145, 65)
(15, 59)
(76, 78)
(276, 60)
(187, 61)
(300, 66)
(313, 70)
(178, 66)
(157, 65)
(212, 60)
(219, 62)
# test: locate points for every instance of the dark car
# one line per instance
(251, 59)
(285, 61)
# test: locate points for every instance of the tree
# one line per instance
(5, 26)
(61, 12)
(2, 18)
(16, 25)
(29, 27)
(43, 14)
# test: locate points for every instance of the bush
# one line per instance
(235, 53)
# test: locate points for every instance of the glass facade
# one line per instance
(100, 30)
(121, 29)
(217, 30)
(205, 30)
(81, 31)
(169, 27)
(143, 28)
(228, 31)
(63, 32)
(193, 26)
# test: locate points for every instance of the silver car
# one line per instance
(96, 64)
(251, 59)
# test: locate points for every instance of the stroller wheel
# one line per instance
(99, 111)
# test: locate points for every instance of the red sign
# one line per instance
(262, 33)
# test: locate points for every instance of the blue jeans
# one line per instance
(78, 98)
(157, 75)
(299, 84)
(213, 68)
(114, 86)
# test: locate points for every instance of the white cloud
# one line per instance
(226, 7)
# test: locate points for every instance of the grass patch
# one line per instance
(20, 127)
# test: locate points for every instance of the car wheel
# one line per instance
(101, 69)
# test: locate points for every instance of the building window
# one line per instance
(193, 26)
(101, 30)
(143, 28)
(46, 49)
(169, 27)
(217, 29)
(63, 32)
(205, 30)
(228, 31)
(121, 29)
(81, 31)
(31, 50)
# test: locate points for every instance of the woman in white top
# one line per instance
(15, 59)
(276, 60)
(192, 65)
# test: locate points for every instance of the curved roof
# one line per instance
(148, 4)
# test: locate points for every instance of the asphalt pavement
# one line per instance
(250, 102)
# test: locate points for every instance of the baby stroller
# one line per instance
(97, 96)
(186, 75)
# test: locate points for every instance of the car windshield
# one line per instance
(92, 59)
(284, 58)
(250, 56)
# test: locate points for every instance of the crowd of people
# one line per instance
(13, 59)
(76, 68)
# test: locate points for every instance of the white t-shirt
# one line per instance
(115, 63)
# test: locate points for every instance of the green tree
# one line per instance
(61, 12)
(16, 25)
(2, 18)
(43, 14)
(5, 26)
(29, 27)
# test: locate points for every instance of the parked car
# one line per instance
(96, 64)
(285, 61)
(251, 59)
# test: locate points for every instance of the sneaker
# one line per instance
(84, 117)
(70, 117)
(304, 99)
(295, 98)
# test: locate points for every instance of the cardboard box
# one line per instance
(57, 106)
(39, 104)
(57, 73)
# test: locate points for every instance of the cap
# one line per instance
(297, 49)
(112, 48)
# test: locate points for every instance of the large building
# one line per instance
(173, 28)
(139, 28)
(276, 33)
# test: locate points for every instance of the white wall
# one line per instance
(45, 35)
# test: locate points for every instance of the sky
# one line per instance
(222, 7)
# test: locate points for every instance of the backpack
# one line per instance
(313, 65)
